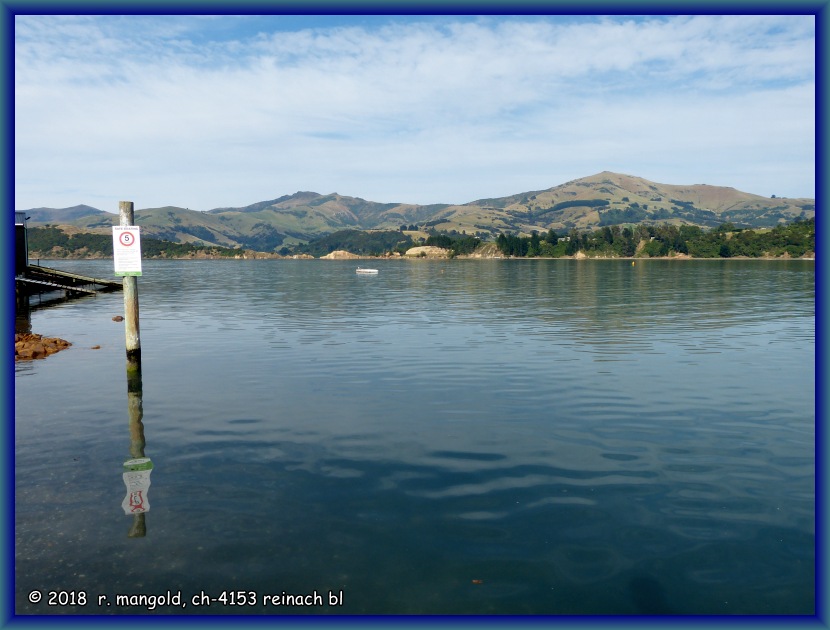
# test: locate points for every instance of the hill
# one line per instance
(589, 203)
(62, 215)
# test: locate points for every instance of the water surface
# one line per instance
(482, 437)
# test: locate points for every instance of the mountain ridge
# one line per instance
(587, 203)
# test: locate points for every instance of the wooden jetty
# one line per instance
(35, 279)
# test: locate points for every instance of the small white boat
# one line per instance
(367, 272)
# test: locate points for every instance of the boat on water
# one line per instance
(366, 272)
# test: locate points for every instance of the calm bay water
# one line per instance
(476, 437)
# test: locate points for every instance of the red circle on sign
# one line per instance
(126, 239)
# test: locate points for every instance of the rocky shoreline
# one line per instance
(487, 251)
(30, 346)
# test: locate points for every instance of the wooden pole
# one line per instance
(130, 284)
(135, 389)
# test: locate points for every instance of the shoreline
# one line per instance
(33, 346)
(277, 257)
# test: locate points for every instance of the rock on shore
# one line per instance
(28, 346)
(340, 254)
(427, 251)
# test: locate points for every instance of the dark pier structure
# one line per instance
(32, 280)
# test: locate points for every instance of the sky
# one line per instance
(205, 112)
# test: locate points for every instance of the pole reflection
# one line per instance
(137, 469)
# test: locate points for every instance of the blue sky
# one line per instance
(214, 111)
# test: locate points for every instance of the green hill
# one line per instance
(589, 203)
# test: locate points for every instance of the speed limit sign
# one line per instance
(126, 250)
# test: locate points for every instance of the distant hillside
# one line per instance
(589, 203)
(62, 215)
(613, 199)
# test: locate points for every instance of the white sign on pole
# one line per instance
(126, 250)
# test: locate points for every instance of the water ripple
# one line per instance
(540, 437)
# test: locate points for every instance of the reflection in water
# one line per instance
(138, 468)
(23, 315)
(582, 437)
(25, 305)
(137, 503)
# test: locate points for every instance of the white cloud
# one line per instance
(415, 111)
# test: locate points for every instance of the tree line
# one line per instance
(794, 239)
(355, 241)
(52, 242)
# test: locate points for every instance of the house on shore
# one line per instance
(21, 243)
